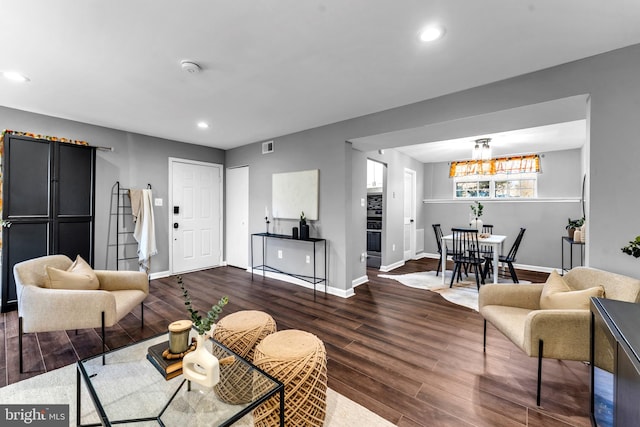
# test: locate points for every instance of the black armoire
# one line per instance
(48, 199)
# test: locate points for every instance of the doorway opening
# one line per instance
(376, 174)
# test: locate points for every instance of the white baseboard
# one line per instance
(319, 288)
(359, 281)
(430, 255)
(535, 268)
(386, 268)
(159, 275)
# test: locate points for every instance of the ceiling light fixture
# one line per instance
(431, 33)
(203, 125)
(15, 76)
(481, 149)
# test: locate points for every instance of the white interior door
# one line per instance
(196, 215)
(237, 216)
(409, 229)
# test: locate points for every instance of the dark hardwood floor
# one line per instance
(406, 354)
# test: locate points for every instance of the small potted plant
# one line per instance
(572, 225)
(633, 248)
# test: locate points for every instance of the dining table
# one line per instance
(496, 241)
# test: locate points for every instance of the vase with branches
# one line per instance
(201, 366)
(476, 211)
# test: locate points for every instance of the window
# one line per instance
(501, 186)
(473, 188)
(501, 178)
(516, 188)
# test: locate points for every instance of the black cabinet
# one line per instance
(48, 197)
(615, 363)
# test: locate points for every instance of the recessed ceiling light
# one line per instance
(15, 76)
(203, 125)
(431, 33)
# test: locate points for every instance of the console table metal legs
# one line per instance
(314, 279)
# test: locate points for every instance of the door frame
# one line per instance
(173, 160)
(411, 251)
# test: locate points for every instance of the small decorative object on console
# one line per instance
(304, 227)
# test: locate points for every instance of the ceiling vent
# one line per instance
(267, 147)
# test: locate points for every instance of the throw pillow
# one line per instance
(557, 295)
(62, 279)
(81, 276)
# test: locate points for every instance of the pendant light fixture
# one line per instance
(481, 149)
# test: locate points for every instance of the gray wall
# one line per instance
(559, 189)
(324, 149)
(612, 82)
(135, 161)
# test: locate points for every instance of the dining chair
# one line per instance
(437, 229)
(509, 259)
(467, 253)
(487, 250)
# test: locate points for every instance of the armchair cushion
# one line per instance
(558, 295)
(62, 279)
(79, 276)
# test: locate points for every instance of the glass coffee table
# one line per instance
(129, 389)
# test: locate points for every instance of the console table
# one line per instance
(313, 241)
(615, 363)
(571, 242)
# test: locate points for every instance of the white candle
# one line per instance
(266, 212)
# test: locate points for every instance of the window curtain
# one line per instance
(501, 165)
(30, 135)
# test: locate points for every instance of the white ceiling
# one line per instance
(548, 126)
(540, 139)
(273, 67)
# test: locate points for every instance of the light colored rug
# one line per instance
(59, 387)
(464, 293)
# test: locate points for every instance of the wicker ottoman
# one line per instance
(241, 332)
(299, 360)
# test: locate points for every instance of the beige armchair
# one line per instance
(45, 309)
(515, 310)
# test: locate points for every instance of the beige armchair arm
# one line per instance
(511, 295)
(123, 280)
(565, 334)
(44, 309)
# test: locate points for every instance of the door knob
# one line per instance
(175, 225)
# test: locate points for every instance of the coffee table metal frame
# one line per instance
(82, 373)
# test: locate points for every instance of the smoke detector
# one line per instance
(190, 67)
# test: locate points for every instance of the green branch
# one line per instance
(201, 324)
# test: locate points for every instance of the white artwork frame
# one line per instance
(295, 192)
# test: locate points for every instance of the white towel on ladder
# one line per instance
(144, 231)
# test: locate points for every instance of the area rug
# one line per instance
(59, 387)
(464, 293)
